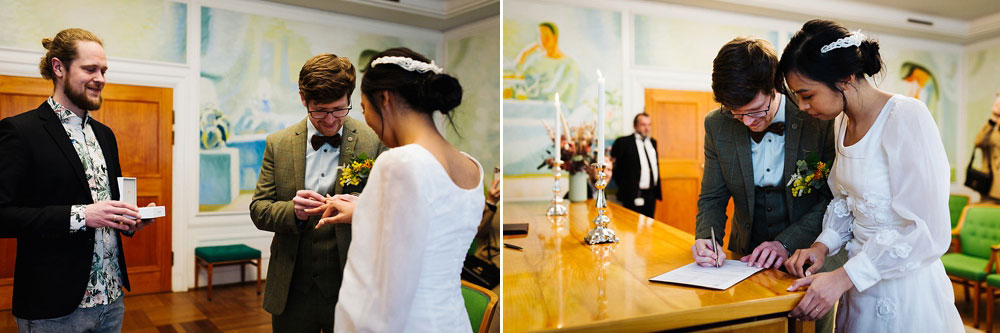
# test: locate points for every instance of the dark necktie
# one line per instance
(776, 128)
(318, 141)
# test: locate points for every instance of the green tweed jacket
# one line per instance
(282, 173)
(728, 174)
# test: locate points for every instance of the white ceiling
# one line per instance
(965, 10)
(957, 21)
(438, 15)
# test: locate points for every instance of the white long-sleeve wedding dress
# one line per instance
(411, 229)
(890, 213)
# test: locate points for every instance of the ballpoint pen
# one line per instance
(715, 248)
(512, 246)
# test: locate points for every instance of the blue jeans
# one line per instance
(101, 318)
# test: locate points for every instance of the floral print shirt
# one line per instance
(104, 284)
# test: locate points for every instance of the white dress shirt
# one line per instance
(321, 165)
(769, 155)
(647, 158)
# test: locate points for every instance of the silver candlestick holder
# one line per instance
(556, 208)
(601, 233)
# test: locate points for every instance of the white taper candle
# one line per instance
(558, 139)
(600, 118)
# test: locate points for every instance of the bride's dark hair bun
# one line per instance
(804, 54)
(425, 92)
(440, 92)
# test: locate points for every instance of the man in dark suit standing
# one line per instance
(752, 144)
(637, 170)
(57, 197)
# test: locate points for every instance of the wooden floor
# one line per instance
(237, 308)
(965, 310)
(234, 308)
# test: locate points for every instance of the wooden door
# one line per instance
(142, 120)
(678, 119)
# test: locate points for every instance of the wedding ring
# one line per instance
(116, 219)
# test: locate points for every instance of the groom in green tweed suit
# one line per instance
(752, 144)
(298, 170)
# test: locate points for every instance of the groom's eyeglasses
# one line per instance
(754, 114)
(337, 113)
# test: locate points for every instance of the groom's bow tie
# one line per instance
(776, 128)
(318, 141)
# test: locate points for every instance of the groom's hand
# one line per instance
(767, 254)
(705, 255)
(306, 200)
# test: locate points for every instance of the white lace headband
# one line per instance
(409, 64)
(854, 39)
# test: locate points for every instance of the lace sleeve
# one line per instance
(837, 223)
(918, 181)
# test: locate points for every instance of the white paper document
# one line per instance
(721, 278)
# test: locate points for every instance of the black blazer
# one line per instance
(626, 170)
(41, 176)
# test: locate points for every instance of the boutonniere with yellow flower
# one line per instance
(357, 171)
(810, 174)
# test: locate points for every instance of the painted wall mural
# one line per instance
(141, 29)
(687, 45)
(551, 49)
(472, 59)
(927, 74)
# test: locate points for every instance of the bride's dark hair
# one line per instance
(803, 55)
(424, 92)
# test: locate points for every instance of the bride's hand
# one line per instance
(815, 254)
(824, 291)
(339, 209)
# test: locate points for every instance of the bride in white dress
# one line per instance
(890, 185)
(415, 220)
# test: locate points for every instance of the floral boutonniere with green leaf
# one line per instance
(357, 171)
(810, 174)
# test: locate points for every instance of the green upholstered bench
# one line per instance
(480, 303)
(210, 256)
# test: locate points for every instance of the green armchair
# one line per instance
(480, 303)
(957, 203)
(977, 231)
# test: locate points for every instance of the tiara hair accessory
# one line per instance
(409, 64)
(854, 39)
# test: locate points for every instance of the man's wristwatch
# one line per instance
(789, 251)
